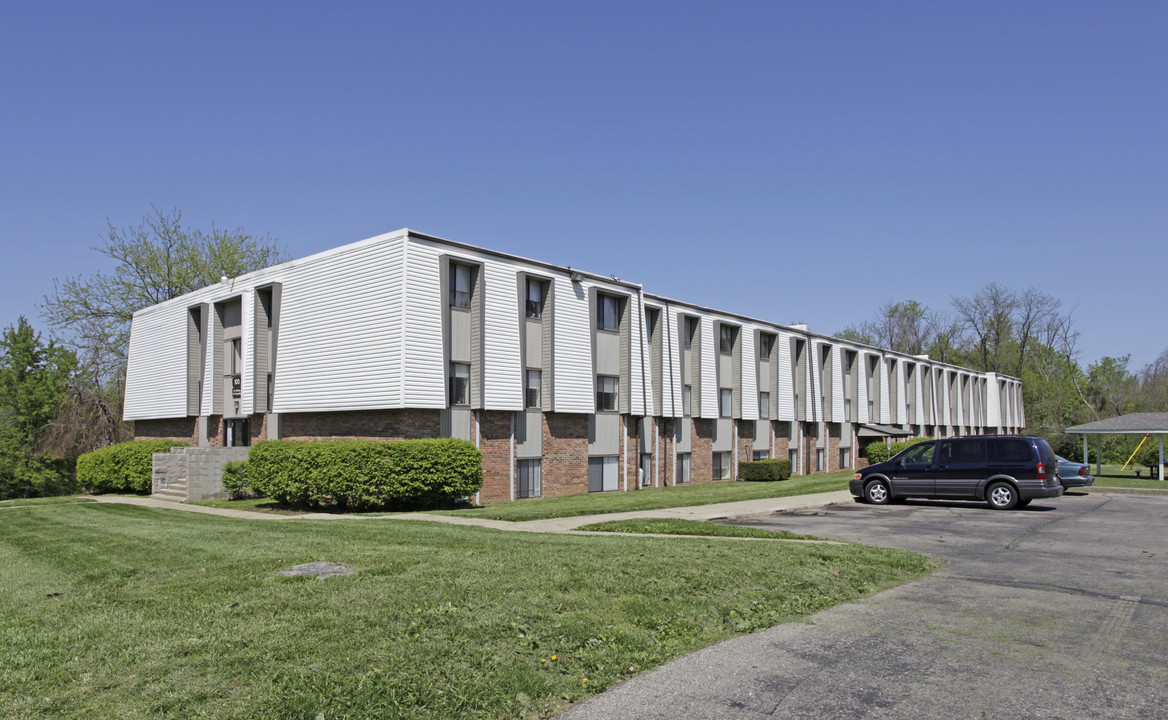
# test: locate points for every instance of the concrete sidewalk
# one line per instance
(551, 525)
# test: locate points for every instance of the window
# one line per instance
(602, 474)
(607, 312)
(762, 454)
(535, 297)
(527, 479)
(690, 329)
(764, 405)
(460, 285)
(686, 400)
(607, 390)
(765, 343)
(236, 352)
(651, 323)
(793, 456)
(725, 398)
(845, 458)
(819, 461)
(459, 383)
(271, 386)
(721, 465)
(531, 390)
(236, 433)
(726, 339)
(682, 475)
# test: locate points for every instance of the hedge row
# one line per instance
(764, 470)
(125, 467)
(363, 474)
(879, 451)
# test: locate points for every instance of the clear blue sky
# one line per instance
(795, 161)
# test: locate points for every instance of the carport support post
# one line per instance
(1086, 457)
(1098, 455)
(1161, 473)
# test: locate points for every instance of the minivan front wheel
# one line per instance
(1002, 496)
(876, 492)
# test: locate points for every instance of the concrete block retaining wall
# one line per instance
(197, 470)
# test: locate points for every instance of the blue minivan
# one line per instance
(1007, 471)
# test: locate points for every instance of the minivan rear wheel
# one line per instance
(876, 492)
(1002, 496)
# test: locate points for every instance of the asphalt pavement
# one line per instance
(1059, 610)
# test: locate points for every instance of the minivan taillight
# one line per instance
(1041, 469)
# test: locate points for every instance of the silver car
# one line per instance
(1073, 474)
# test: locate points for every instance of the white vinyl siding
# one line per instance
(862, 415)
(640, 373)
(709, 369)
(918, 392)
(885, 394)
(837, 384)
(207, 406)
(341, 340)
(785, 387)
(901, 395)
(247, 377)
(572, 378)
(814, 383)
(748, 355)
(502, 370)
(671, 364)
(156, 368)
(422, 375)
(943, 401)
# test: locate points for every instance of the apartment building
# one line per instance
(568, 382)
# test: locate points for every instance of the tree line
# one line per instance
(1028, 334)
(62, 396)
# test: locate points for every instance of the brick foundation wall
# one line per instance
(495, 429)
(185, 429)
(810, 439)
(745, 443)
(701, 463)
(408, 424)
(666, 466)
(565, 454)
(781, 447)
(833, 447)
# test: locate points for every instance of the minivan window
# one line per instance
(917, 454)
(1012, 450)
(963, 451)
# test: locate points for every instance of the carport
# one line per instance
(1133, 424)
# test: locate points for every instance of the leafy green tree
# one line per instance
(1111, 388)
(33, 378)
(158, 260)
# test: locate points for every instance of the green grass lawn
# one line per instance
(670, 526)
(117, 611)
(1115, 476)
(656, 498)
(57, 500)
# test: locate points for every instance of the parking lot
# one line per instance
(1056, 611)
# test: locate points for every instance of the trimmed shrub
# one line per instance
(365, 474)
(125, 467)
(764, 470)
(878, 451)
(235, 480)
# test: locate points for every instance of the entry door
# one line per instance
(961, 465)
(913, 474)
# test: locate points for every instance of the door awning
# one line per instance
(881, 431)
